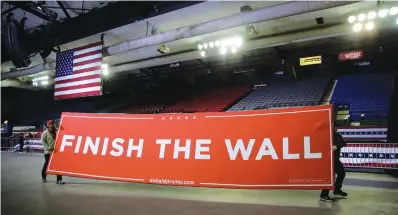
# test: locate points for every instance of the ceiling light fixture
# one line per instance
(383, 13)
(357, 27)
(352, 19)
(371, 15)
(223, 50)
(369, 26)
(361, 17)
(393, 11)
(211, 44)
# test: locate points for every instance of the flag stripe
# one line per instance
(87, 62)
(81, 90)
(89, 57)
(90, 69)
(100, 43)
(84, 51)
(80, 86)
(86, 66)
(84, 78)
(61, 80)
(77, 83)
(77, 95)
(78, 72)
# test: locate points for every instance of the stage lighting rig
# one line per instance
(232, 44)
(36, 8)
(367, 20)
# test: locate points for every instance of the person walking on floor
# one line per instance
(338, 169)
(21, 142)
(48, 141)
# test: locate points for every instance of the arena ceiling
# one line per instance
(275, 37)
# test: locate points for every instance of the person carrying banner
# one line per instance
(48, 141)
(338, 169)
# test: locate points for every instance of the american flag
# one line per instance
(78, 72)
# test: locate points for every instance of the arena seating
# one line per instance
(362, 99)
(284, 94)
(142, 109)
(213, 101)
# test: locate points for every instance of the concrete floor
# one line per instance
(23, 193)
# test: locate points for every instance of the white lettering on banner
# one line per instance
(286, 155)
(199, 150)
(65, 141)
(133, 147)
(162, 143)
(79, 141)
(264, 151)
(90, 144)
(307, 150)
(239, 147)
(116, 145)
(185, 149)
(202, 148)
(268, 149)
(105, 147)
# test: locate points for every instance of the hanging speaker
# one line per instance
(10, 37)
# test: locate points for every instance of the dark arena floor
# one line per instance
(23, 193)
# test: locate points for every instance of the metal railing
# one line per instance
(9, 143)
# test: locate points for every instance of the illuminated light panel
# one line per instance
(357, 27)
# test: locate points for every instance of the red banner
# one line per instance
(350, 55)
(285, 148)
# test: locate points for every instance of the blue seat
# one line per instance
(366, 94)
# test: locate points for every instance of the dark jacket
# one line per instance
(340, 143)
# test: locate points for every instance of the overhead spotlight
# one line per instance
(217, 43)
(234, 50)
(223, 50)
(394, 11)
(396, 21)
(223, 42)
(200, 47)
(369, 26)
(203, 53)
(211, 44)
(205, 45)
(371, 15)
(383, 13)
(105, 72)
(44, 83)
(352, 19)
(361, 17)
(35, 84)
(357, 27)
(104, 66)
(238, 41)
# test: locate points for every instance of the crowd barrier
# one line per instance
(12, 144)
(370, 155)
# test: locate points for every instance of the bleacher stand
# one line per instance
(214, 101)
(142, 109)
(284, 94)
(362, 99)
